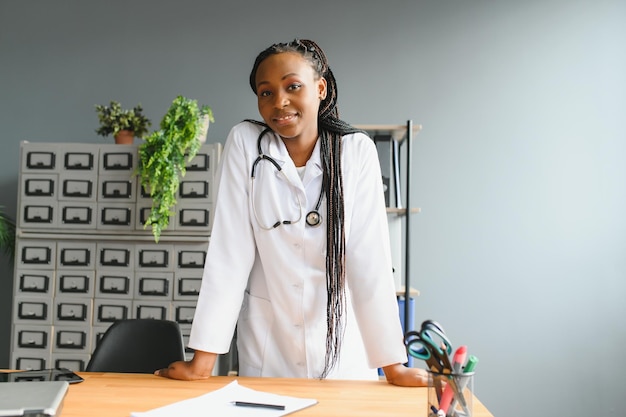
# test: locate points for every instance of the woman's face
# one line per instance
(289, 94)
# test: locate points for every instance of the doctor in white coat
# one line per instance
(299, 260)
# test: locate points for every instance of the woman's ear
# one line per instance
(321, 84)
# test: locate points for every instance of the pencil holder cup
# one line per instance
(450, 395)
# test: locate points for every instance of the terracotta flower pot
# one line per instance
(125, 137)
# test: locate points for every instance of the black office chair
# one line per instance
(138, 346)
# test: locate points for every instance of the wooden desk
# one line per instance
(117, 395)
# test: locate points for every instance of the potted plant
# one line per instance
(164, 154)
(7, 234)
(123, 124)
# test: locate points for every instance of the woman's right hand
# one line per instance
(200, 367)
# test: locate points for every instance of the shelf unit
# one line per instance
(390, 139)
(83, 258)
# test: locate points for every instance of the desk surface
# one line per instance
(117, 395)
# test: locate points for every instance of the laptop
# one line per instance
(33, 398)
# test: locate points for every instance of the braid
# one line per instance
(331, 130)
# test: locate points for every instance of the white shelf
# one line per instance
(403, 135)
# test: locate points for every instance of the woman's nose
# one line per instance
(281, 100)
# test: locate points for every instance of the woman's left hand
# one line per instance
(403, 376)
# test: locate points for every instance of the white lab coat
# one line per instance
(272, 283)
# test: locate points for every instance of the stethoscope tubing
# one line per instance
(313, 218)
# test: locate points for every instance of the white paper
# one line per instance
(221, 403)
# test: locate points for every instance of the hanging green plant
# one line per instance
(164, 154)
(7, 234)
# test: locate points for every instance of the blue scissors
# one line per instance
(432, 345)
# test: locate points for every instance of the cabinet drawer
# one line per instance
(71, 311)
(77, 187)
(116, 216)
(79, 255)
(114, 284)
(153, 285)
(188, 285)
(32, 337)
(34, 282)
(109, 311)
(72, 339)
(75, 215)
(75, 283)
(31, 310)
(115, 256)
(116, 159)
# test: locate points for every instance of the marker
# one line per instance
(258, 405)
(471, 364)
(468, 368)
(459, 358)
(448, 392)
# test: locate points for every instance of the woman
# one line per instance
(299, 255)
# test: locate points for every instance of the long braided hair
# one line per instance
(331, 130)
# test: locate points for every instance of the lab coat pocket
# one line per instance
(253, 328)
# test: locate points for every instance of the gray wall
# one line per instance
(520, 247)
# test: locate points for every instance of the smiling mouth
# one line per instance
(285, 119)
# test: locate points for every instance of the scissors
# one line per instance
(432, 345)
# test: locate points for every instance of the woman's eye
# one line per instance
(294, 86)
(264, 93)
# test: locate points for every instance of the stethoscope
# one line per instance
(313, 218)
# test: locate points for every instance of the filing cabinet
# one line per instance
(83, 257)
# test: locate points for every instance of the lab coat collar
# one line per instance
(278, 151)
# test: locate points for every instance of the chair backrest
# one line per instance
(138, 346)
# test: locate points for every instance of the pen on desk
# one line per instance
(258, 405)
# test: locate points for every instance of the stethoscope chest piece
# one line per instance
(313, 218)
